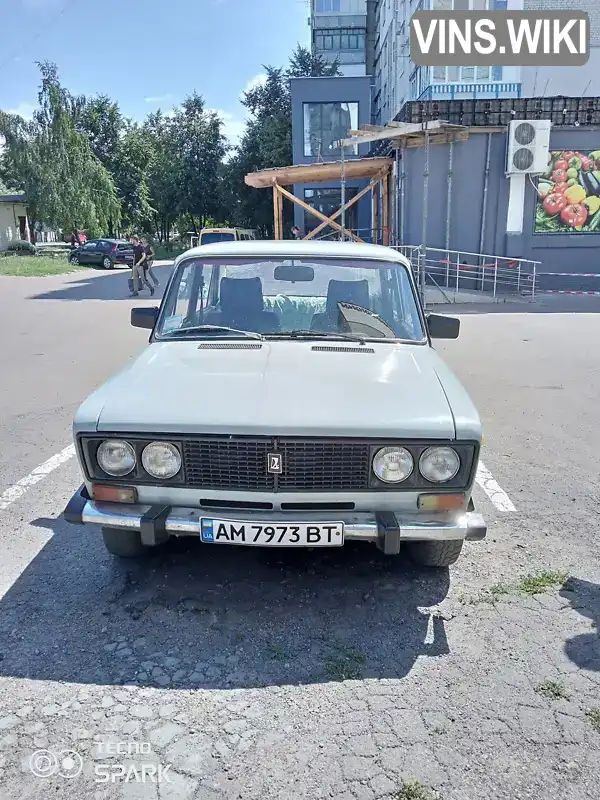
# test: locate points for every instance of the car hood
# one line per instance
(285, 388)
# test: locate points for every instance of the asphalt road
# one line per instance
(229, 665)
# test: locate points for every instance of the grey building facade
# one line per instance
(467, 211)
(323, 111)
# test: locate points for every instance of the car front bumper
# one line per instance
(386, 529)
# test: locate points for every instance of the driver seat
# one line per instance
(241, 306)
(356, 292)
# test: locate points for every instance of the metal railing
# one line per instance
(455, 273)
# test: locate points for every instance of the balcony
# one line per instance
(470, 91)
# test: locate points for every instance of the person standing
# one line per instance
(297, 233)
(150, 256)
(139, 276)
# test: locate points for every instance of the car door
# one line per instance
(89, 253)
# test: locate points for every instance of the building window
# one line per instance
(325, 124)
(483, 73)
(340, 39)
(467, 74)
(496, 73)
(453, 74)
(325, 6)
(328, 201)
(439, 74)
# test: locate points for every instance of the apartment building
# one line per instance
(382, 49)
(339, 31)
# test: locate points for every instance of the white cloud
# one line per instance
(24, 110)
(160, 98)
(257, 80)
(233, 127)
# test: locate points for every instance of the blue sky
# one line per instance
(148, 54)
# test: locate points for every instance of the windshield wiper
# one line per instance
(351, 337)
(215, 330)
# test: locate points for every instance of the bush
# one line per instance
(19, 246)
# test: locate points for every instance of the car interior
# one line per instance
(242, 305)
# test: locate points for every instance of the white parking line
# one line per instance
(18, 489)
(493, 490)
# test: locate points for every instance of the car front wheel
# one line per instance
(123, 543)
(434, 554)
(74, 260)
(107, 263)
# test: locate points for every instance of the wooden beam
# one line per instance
(351, 202)
(315, 213)
(326, 171)
(385, 203)
(393, 132)
(276, 212)
(375, 213)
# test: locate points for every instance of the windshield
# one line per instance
(211, 238)
(279, 298)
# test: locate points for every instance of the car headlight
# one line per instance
(161, 460)
(439, 464)
(393, 464)
(116, 457)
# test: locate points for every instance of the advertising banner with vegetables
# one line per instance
(568, 192)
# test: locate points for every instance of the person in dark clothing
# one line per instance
(297, 233)
(139, 272)
(150, 256)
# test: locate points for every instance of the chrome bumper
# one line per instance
(386, 529)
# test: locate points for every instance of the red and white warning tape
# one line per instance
(566, 291)
(571, 274)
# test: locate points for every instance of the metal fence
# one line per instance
(455, 273)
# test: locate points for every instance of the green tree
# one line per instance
(200, 147)
(53, 163)
(132, 161)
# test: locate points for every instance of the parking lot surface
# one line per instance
(239, 673)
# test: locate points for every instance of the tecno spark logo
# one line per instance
(69, 764)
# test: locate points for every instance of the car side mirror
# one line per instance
(144, 317)
(441, 327)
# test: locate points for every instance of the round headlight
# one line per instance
(392, 464)
(116, 457)
(161, 460)
(439, 464)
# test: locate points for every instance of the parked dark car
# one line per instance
(104, 253)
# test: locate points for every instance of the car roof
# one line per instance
(297, 249)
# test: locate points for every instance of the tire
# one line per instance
(434, 554)
(74, 260)
(123, 543)
(107, 263)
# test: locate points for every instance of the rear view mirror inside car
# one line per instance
(294, 273)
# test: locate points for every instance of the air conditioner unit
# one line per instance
(528, 146)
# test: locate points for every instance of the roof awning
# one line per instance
(308, 173)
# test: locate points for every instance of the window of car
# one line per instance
(125, 246)
(286, 296)
(90, 245)
(104, 245)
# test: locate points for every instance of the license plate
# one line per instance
(318, 534)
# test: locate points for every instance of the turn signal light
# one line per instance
(114, 494)
(441, 502)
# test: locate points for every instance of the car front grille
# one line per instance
(317, 465)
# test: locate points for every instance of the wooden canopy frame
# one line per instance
(376, 170)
